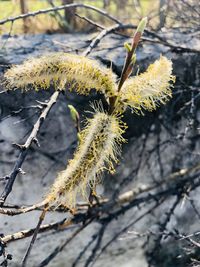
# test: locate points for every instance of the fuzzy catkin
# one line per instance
(150, 88)
(62, 70)
(99, 147)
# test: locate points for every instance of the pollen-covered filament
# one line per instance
(100, 144)
(62, 70)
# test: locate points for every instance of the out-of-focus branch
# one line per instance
(126, 197)
(57, 8)
(24, 10)
(26, 233)
(130, 198)
(118, 27)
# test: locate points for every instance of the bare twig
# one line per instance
(57, 8)
(29, 232)
(37, 229)
(104, 13)
(24, 148)
(118, 27)
(170, 180)
(130, 198)
(58, 249)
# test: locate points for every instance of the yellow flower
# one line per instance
(62, 70)
(99, 147)
(150, 88)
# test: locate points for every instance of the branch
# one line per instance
(57, 8)
(104, 13)
(126, 197)
(58, 249)
(24, 148)
(118, 27)
(130, 198)
(102, 213)
(26, 233)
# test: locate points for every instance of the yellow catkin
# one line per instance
(150, 88)
(62, 70)
(99, 147)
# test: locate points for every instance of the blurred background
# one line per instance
(175, 14)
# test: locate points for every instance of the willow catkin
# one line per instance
(149, 89)
(100, 144)
(62, 70)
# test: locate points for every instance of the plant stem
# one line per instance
(128, 63)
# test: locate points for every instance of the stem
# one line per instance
(41, 219)
(128, 63)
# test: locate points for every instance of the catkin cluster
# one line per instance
(99, 147)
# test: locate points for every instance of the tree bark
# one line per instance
(121, 4)
(24, 10)
(106, 3)
(69, 14)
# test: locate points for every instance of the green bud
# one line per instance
(74, 113)
(142, 25)
(127, 46)
(133, 59)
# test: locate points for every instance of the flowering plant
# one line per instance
(101, 138)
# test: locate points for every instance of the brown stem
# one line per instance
(127, 68)
(128, 64)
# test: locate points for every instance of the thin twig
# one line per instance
(24, 148)
(29, 232)
(170, 180)
(57, 8)
(118, 27)
(125, 201)
(37, 229)
(58, 249)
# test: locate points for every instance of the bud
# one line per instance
(142, 25)
(133, 59)
(127, 46)
(74, 113)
